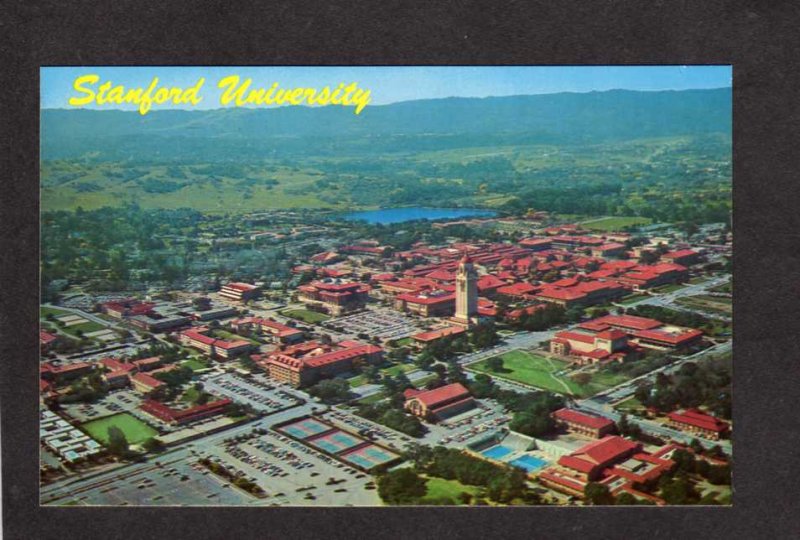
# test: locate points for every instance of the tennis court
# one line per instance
(336, 442)
(305, 428)
(370, 456)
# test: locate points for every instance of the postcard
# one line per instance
(375, 286)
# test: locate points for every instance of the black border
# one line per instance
(757, 38)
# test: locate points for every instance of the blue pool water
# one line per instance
(399, 215)
(497, 452)
(529, 463)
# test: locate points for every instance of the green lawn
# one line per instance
(397, 369)
(358, 380)
(668, 288)
(194, 364)
(134, 429)
(538, 371)
(419, 383)
(88, 326)
(374, 398)
(632, 298)
(614, 223)
(707, 303)
(439, 487)
(405, 342)
(44, 311)
(305, 315)
(630, 404)
(606, 379)
(224, 334)
(191, 395)
(533, 370)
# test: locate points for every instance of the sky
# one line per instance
(392, 84)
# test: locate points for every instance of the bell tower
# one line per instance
(466, 292)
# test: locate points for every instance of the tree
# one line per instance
(372, 374)
(153, 445)
(331, 390)
(531, 423)
(495, 363)
(598, 494)
(117, 442)
(582, 378)
(402, 486)
(625, 499)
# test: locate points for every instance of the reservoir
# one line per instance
(399, 215)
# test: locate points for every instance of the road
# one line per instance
(668, 299)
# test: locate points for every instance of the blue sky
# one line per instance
(393, 84)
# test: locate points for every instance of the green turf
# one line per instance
(405, 342)
(438, 488)
(614, 223)
(305, 315)
(134, 429)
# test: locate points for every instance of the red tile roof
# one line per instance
(571, 415)
(668, 337)
(46, 337)
(575, 336)
(440, 333)
(699, 419)
(432, 398)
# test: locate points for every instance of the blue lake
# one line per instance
(399, 215)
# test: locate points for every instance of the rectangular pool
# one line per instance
(529, 463)
(497, 452)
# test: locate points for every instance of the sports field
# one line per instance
(305, 315)
(134, 429)
(614, 223)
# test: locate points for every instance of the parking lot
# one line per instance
(292, 473)
(262, 394)
(114, 402)
(381, 323)
(173, 482)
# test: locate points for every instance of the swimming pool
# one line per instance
(497, 452)
(529, 463)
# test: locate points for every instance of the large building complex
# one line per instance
(698, 422)
(335, 297)
(307, 363)
(239, 292)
